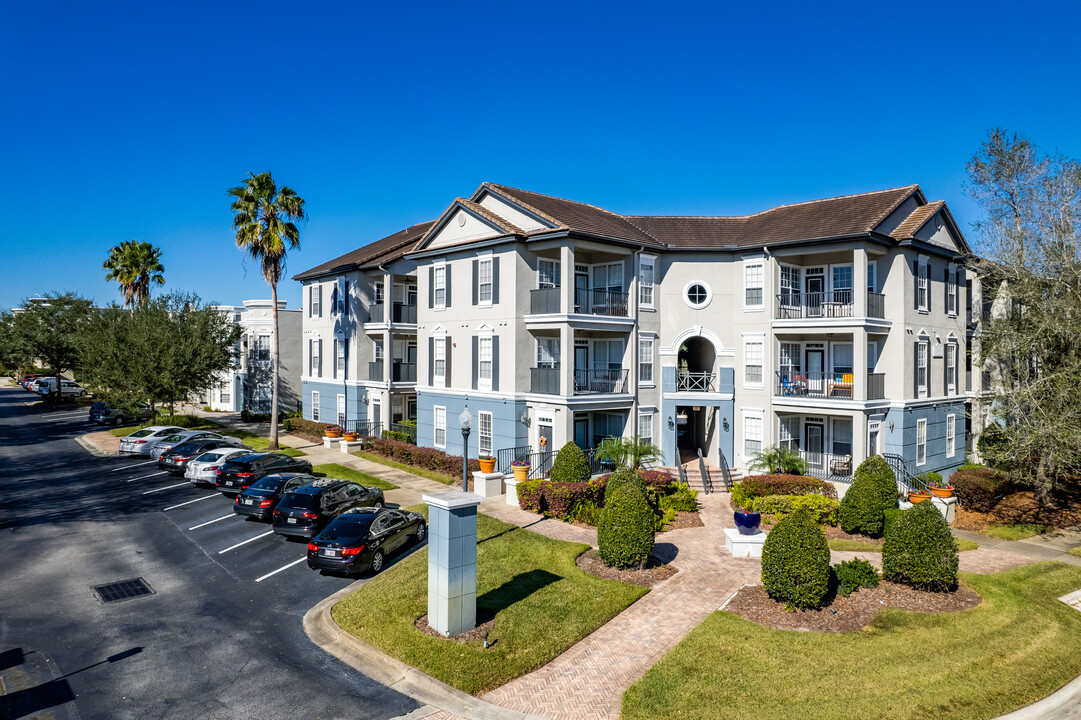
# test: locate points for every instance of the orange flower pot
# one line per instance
(487, 466)
(941, 492)
(350, 437)
(333, 433)
(917, 497)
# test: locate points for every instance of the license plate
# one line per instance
(330, 553)
(230, 483)
(249, 502)
(292, 521)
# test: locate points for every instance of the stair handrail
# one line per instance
(682, 475)
(707, 481)
(906, 481)
(726, 474)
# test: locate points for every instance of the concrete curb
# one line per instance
(1059, 705)
(93, 448)
(425, 689)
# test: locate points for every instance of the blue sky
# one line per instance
(129, 121)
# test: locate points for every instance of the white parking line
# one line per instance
(284, 567)
(167, 487)
(67, 414)
(234, 547)
(131, 465)
(211, 522)
(144, 477)
(189, 502)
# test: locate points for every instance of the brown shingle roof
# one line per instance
(386, 250)
(919, 217)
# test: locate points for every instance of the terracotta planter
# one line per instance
(350, 437)
(941, 492)
(487, 466)
(521, 472)
(333, 433)
(917, 497)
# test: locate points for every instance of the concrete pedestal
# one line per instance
(452, 561)
(487, 484)
(512, 490)
(744, 545)
(347, 446)
(944, 505)
(328, 442)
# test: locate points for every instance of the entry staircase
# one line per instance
(691, 472)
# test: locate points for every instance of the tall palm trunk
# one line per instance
(273, 445)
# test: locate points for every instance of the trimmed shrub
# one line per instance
(625, 532)
(763, 485)
(570, 465)
(920, 551)
(889, 517)
(184, 421)
(796, 562)
(873, 491)
(682, 499)
(776, 505)
(420, 457)
(619, 478)
(822, 509)
(398, 435)
(531, 495)
(305, 427)
(853, 575)
(979, 488)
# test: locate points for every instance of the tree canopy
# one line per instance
(135, 266)
(47, 329)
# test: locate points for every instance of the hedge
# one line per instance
(853, 575)
(307, 427)
(583, 500)
(762, 485)
(570, 465)
(796, 562)
(399, 435)
(979, 488)
(920, 550)
(873, 491)
(625, 533)
(419, 457)
(822, 509)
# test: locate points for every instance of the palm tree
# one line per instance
(628, 452)
(263, 218)
(135, 266)
(779, 460)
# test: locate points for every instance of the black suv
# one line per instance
(240, 471)
(305, 511)
(259, 500)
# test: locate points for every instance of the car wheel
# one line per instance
(119, 420)
(378, 505)
(422, 530)
(377, 562)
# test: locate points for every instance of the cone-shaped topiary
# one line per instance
(796, 562)
(570, 465)
(622, 477)
(920, 551)
(625, 532)
(873, 491)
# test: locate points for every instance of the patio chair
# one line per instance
(841, 467)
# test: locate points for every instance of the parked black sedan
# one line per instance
(262, 497)
(307, 510)
(175, 459)
(361, 540)
(240, 471)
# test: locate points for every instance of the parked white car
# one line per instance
(141, 441)
(35, 384)
(203, 470)
(68, 388)
(170, 441)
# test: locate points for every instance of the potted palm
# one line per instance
(333, 431)
(487, 463)
(521, 470)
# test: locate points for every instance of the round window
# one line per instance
(697, 294)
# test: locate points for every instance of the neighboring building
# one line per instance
(835, 327)
(249, 385)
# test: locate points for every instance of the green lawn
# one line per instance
(1076, 552)
(431, 475)
(543, 604)
(1019, 645)
(255, 442)
(190, 422)
(347, 473)
(260, 443)
(1016, 531)
(864, 546)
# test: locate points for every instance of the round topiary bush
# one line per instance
(625, 531)
(570, 465)
(622, 477)
(873, 491)
(796, 562)
(920, 551)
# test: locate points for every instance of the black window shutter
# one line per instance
(495, 280)
(448, 346)
(930, 295)
(916, 369)
(431, 287)
(431, 361)
(345, 298)
(946, 288)
(476, 279)
(310, 373)
(495, 356)
(448, 293)
(916, 284)
(476, 359)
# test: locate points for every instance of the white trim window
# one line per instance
(439, 373)
(645, 361)
(951, 368)
(752, 434)
(315, 299)
(951, 291)
(646, 270)
(379, 351)
(753, 285)
(921, 441)
(484, 362)
(484, 280)
(788, 432)
(951, 435)
(341, 410)
(753, 359)
(315, 405)
(871, 279)
(439, 438)
(645, 427)
(484, 433)
(547, 273)
(440, 289)
(339, 361)
(547, 352)
(380, 296)
(923, 291)
(923, 352)
(317, 362)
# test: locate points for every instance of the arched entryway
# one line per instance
(695, 373)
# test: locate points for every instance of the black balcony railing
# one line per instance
(599, 463)
(375, 370)
(815, 385)
(601, 302)
(876, 386)
(544, 380)
(506, 456)
(377, 313)
(834, 467)
(410, 430)
(544, 301)
(365, 428)
(831, 304)
(598, 382)
(404, 313)
(696, 381)
(403, 372)
(876, 305)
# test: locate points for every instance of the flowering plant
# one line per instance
(486, 457)
(940, 486)
(742, 509)
(520, 463)
(334, 428)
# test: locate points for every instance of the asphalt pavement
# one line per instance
(218, 636)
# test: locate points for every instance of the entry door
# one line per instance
(581, 293)
(581, 431)
(814, 437)
(581, 365)
(545, 432)
(816, 287)
(816, 378)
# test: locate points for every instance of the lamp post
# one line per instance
(466, 422)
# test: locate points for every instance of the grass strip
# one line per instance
(342, 472)
(846, 545)
(422, 472)
(260, 443)
(1076, 552)
(1019, 645)
(543, 604)
(188, 422)
(1015, 531)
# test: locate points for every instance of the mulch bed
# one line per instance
(685, 520)
(1021, 507)
(836, 533)
(846, 614)
(485, 622)
(655, 572)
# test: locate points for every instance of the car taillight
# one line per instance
(213, 467)
(218, 469)
(352, 551)
(237, 501)
(266, 503)
(140, 442)
(244, 474)
(277, 512)
(180, 459)
(312, 547)
(310, 516)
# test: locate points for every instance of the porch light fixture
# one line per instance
(466, 422)
(525, 418)
(724, 423)
(671, 423)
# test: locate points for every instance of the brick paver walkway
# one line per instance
(982, 561)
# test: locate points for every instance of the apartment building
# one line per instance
(249, 384)
(836, 327)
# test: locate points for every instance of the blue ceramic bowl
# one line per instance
(747, 522)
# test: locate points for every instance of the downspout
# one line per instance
(637, 346)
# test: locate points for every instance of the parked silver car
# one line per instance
(105, 414)
(203, 470)
(141, 441)
(68, 388)
(171, 441)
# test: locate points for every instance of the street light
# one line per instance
(466, 421)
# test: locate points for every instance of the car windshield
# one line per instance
(99, 405)
(141, 433)
(234, 465)
(298, 501)
(272, 483)
(348, 528)
(174, 438)
(186, 447)
(209, 457)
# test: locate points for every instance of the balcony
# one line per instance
(696, 382)
(404, 313)
(375, 371)
(876, 386)
(403, 372)
(546, 301)
(600, 382)
(377, 313)
(833, 386)
(544, 380)
(826, 305)
(832, 467)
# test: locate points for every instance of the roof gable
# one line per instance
(385, 250)
(466, 221)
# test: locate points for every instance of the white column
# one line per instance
(566, 261)
(859, 364)
(566, 360)
(859, 281)
(859, 440)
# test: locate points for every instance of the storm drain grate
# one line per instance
(123, 590)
